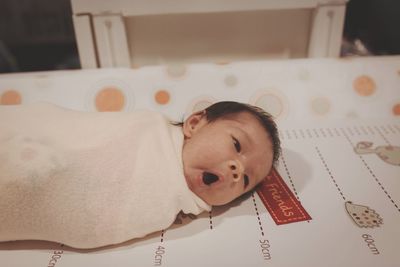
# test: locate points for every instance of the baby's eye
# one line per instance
(237, 145)
(246, 180)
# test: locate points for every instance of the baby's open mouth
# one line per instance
(209, 178)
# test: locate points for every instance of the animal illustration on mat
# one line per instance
(390, 154)
(363, 216)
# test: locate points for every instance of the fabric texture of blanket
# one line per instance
(89, 179)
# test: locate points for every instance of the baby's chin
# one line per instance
(212, 201)
(211, 197)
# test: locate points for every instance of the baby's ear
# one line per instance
(194, 123)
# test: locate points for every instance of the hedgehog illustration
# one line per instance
(363, 216)
(389, 154)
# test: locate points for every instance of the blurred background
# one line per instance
(38, 35)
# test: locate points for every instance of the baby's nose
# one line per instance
(236, 168)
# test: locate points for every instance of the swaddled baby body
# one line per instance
(88, 179)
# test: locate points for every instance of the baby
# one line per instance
(88, 179)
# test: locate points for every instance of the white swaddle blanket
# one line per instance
(88, 179)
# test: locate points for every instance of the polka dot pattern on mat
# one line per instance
(110, 99)
(271, 103)
(289, 90)
(320, 105)
(231, 80)
(10, 97)
(176, 71)
(364, 85)
(162, 97)
(396, 109)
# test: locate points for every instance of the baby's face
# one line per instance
(225, 158)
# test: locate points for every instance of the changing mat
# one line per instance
(329, 113)
(89, 179)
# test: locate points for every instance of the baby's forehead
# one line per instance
(242, 117)
(246, 121)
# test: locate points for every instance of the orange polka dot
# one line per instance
(10, 97)
(364, 85)
(110, 99)
(162, 97)
(396, 109)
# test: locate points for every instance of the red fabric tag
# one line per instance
(280, 201)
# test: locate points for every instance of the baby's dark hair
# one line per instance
(225, 108)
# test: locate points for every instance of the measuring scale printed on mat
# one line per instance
(345, 179)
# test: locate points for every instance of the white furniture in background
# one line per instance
(116, 33)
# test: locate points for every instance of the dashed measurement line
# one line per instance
(337, 132)
(288, 134)
(370, 130)
(288, 174)
(316, 133)
(309, 133)
(258, 214)
(357, 130)
(397, 128)
(302, 134)
(373, 175)
(313, 133)
(383, 128)
(364, 131)
(349, 130)
(322, 132)
(162, 236)
(264, 243)
(379, 183)
(295, 134)
(210, 217)
(329, 132)
(382, 135)
(391, 129)
(330, 173)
